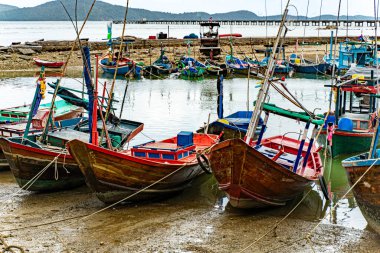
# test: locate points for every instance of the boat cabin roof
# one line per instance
(357, 116)
(212, 23)
(301, 116)
(68, 134)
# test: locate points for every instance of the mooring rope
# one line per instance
(28, 184)
(308, 236)
(83, 217)
(9, 248)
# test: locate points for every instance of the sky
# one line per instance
(355, 7)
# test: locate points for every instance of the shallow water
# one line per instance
(172, 105)
(97, 30)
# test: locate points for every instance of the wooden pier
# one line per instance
(318, 23)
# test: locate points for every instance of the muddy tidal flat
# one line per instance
(199, 219)
(195, 221)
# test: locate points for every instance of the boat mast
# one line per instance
(375, 138)
(263, 93)
(45, 130)
(38, 95)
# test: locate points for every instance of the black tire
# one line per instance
(205, 164)
(322, 183)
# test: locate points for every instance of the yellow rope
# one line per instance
(9, 248)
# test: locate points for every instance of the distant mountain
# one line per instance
(53, 11)
(5, 7)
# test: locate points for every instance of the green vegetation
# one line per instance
(53, 11)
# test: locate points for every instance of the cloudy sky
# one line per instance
(355, 7)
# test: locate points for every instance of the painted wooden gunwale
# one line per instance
(252, 180)
(367, 191)
(25, 162)
(115, 175)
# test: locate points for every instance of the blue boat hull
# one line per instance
(311, 68)
(233, 126)
(121, 70)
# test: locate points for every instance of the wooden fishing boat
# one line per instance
(162, 66)
(282, 66)
(48, 64)
(350, 129)
(215, 68)
(240, 67)
(126, 66)
(191, 68)
(114, 175)
(266, 172)
(254, 178)
(226, 35)
(63, 110)
(308, 67)
(13, 120)
(367, 191)
(27, 159)
(209, 41)
(39, 159)
(3, 162)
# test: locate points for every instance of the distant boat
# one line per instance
(308, 67)
(235, 35)
(117, 62)
(162, 66)
(209, 40)
(191, 68)
(126, 66)
(48, 64)
(240, 67)
(352, 53)
(282, 66)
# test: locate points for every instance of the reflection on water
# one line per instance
(172, 105)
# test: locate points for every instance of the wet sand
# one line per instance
(15, 64)
(196, 220)
(193, 221)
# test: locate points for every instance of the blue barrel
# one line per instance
(329, 119)
(345, 124)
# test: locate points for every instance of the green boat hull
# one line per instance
(347, 142)
(20, 113)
